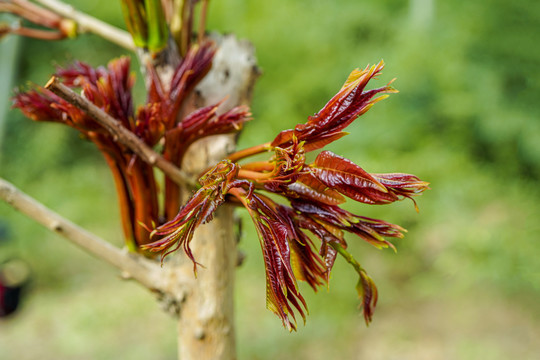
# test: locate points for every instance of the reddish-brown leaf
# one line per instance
(327, 234)
(287, 253)
(194, 66)
(349, 179)
(109, 89)
(149, 125)
(321, 141)
(350, 102)
(198, 210)
(367, 291)
(40, 104)
(333, 217)
(306, 264)
(309, 187)
(275, 233)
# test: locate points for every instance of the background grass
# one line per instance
(465, 283)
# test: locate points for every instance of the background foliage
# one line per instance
(465, 283)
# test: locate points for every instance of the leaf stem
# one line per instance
(347, 256)
(254, 175)
(258, 166)
(254, 150)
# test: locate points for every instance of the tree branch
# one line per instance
(136, 267)
(87, 23)
(123, 135)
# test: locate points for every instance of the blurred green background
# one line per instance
(465, 283)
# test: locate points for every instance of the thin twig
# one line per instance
(34, 33)
(136, 266)
(123, 135)
(87, 23)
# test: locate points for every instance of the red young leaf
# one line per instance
(405, 185)
(349, 179)
(309, 187)
(149, 125)
(288, 166)
(327, 234)
(367, 291)
(194, 66)
(40, 104)
(109, 89)
(198, 210)
(36, 104)
(350, 102)
(201, 123)
(205, 122)
(287, 253)
(371, 230)
(323, 140)
(306, 264)
(275, 233)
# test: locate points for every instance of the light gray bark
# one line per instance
(206, 318)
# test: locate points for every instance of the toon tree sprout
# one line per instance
(301, 234)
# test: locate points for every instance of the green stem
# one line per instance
(348, 257)
(158, 33)
(134, 16)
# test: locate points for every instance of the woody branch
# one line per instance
(147, 272)
(123, 135)
(89, 24)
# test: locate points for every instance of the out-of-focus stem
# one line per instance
(124, 196)
(135, 22)
(202, 21)
(168, 285)
(158, 32)
(145, 200)
(138, 268)
(174, 197)
(36, 33)
(87, 23)
(184, 36)
(31, 12)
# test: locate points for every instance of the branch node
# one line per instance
(55, 226)
(199, 333)
(124, 275)
(86, 23)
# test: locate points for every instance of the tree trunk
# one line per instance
(206, 318)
